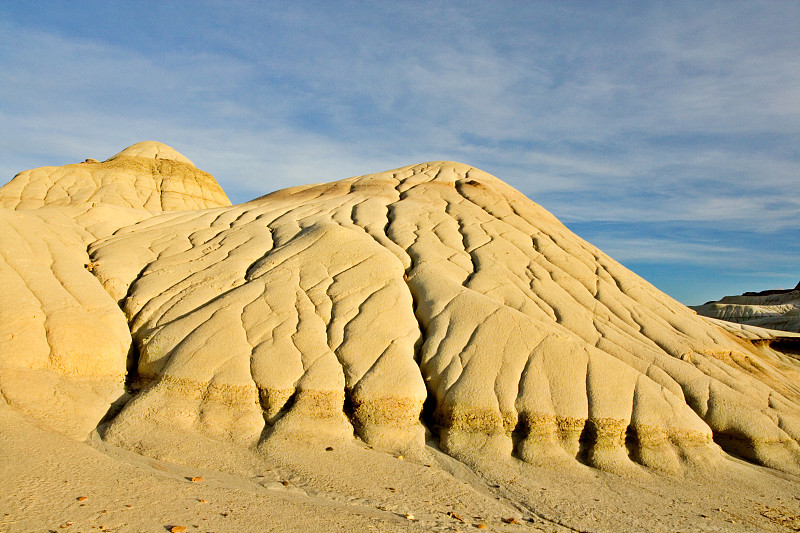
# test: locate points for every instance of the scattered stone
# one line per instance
(82, 498)
(329, 449)
(196, 479)
(177, 529)
(510, 520)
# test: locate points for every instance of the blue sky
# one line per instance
(665, 133)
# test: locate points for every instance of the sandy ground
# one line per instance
(50, 483)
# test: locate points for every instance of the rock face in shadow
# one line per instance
(773, 309)
(429, 298)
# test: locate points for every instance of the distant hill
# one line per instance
(773, 309)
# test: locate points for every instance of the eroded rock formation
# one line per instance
(63, 341)
(433, 297)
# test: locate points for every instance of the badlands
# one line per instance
(777, 309)
(423, 349)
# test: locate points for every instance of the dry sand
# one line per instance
(353, 488)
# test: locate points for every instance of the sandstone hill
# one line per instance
(428, 302)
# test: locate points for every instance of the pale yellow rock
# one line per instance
(533, 342)
(149, 176)
(325, 312)
(348, 307)
(781, 346)
(64, 342)
(154, 150)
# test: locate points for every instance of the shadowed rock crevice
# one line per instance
(737, 444)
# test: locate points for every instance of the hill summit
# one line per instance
(148, 175)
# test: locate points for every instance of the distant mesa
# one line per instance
(777, 309)
(773, 291)
(431, 300)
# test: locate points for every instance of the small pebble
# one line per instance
(196, 479)
(409, 516)
(285, 483)
(82, 498)
(177, 529)
(400, 457)
(329, 449)
(480, 526)
(510, 520)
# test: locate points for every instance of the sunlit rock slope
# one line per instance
(433, 298)
(63, 340)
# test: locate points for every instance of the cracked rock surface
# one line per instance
(433, 299)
